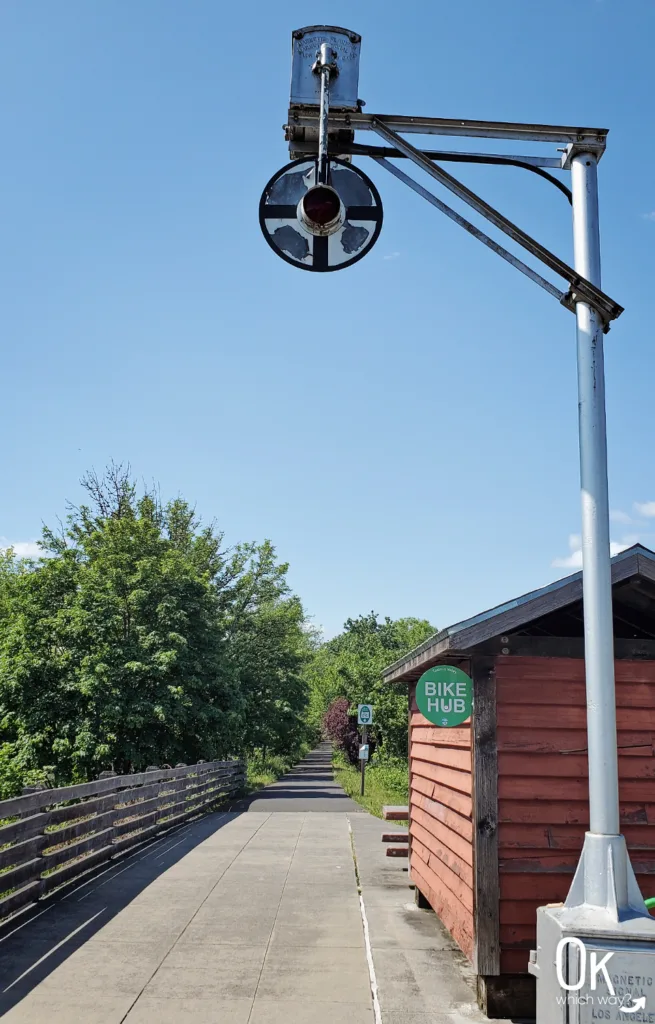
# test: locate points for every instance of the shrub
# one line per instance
(340, 727)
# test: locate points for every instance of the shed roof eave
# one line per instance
(462, 636)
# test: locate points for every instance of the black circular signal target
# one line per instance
(295, 207)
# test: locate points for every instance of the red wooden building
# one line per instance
(499, 806)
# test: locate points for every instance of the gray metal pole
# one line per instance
(596, 576)
(363, 764)
(604, 901)
(325, 57)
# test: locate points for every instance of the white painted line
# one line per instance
(29, 921)
(110, 867)
(377, 1014)
(168, 850)
(148, 845)
(371, 966)
(106, 881)
(53, 950)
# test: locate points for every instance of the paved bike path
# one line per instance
(309, 787)
(242, 918)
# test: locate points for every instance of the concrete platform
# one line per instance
(240, 918)
(422, 976)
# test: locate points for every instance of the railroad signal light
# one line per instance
(316, 226)
(321, 211)
(305, 226)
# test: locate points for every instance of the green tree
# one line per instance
(351, 664)
(112, 655)
(271, 649)
(270, 644)
(138, 640)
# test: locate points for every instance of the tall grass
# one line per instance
(387, 782)
(263, 769)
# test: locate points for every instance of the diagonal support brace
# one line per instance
(471, 228)
(580, 290)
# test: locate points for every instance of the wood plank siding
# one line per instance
(542, 785)
(441, 828)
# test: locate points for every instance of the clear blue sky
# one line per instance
(404, 431)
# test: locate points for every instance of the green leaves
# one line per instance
(139, 640)
(351, 666)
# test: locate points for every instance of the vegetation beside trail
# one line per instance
(386, 783)
(137, 638)
(266, 769)
(347, 671)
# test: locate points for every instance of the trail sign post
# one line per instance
(364, 714)
(604, 900)
(362, 759)
(364, 718)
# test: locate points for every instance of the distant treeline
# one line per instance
(347, 671)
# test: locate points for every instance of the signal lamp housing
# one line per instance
(321, 211)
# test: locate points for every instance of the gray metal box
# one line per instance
(631, 973)
(629, 946)
(306, 86)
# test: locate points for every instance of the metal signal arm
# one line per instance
(579, 288)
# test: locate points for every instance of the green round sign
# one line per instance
(445, 695)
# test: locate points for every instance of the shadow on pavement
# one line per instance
(62, 924)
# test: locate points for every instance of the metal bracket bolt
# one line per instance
(318, 66)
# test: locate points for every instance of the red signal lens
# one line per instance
(321, 205)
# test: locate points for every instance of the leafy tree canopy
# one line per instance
(138, 639)
(350, 666)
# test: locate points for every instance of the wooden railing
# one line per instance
(58, 834)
